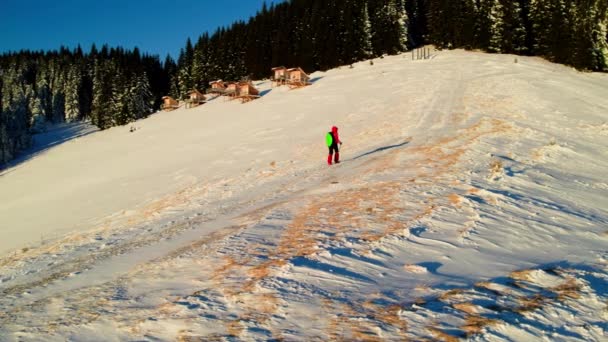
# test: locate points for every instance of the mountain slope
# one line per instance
(470, 203)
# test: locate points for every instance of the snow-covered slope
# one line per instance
(471, 203)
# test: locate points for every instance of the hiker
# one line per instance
(333, 140)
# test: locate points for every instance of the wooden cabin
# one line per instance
(169, 104)
(296, 77)
(217, 87)
(232, 89)
(247, 92)
(279, 76)
(195, 98)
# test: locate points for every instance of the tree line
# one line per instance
(114, 86)
(106, 87)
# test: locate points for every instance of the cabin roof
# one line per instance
(216, 82)
(297, 69)
(194, 91)
(167, 97)
(278, 68)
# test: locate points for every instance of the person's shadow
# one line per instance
(380, 149)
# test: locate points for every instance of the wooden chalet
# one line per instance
(247, 92)
(297, 78)
(217, 87)
(195, 98)
(169, 104)
(232, 89)
(279, 76)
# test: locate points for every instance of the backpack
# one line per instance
(329, 139)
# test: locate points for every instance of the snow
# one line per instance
(471, 203)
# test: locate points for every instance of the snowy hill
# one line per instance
(471, 203)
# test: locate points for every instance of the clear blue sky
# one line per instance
(154, 26)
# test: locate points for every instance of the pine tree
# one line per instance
(170, 69)
(184, 74)
(199, 71)
(44, 91)
(1, 86)
(466, 24)
(542, 26)
(38, 117)
(507, 33)
(366, 49)
(418, 13)
(440, 23)
(498, 26)
(102, 96)
(524, 5)
(402, 24)
(483, 25)
(119, 101)
(16, 111)
(591, 45)
(72, 95)
(58, 95)
(139, 98)
(389, 28)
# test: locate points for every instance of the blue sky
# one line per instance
(154, 26)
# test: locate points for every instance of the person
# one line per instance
(332, 143)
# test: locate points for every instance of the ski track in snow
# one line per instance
(470, 205)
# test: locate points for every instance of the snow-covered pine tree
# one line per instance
(139, 101)
(97, 101)
(366, 49)
(44, 91)
(102, 96)
(184, 82)
(199, 71)
(542, 26)
(524, 5)
(497, 26)
(119, 109)
(600, 38)
(402, 25)
(591, 32)
(8, 78)
(38, 117)
(184, 65)
(72, 94)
